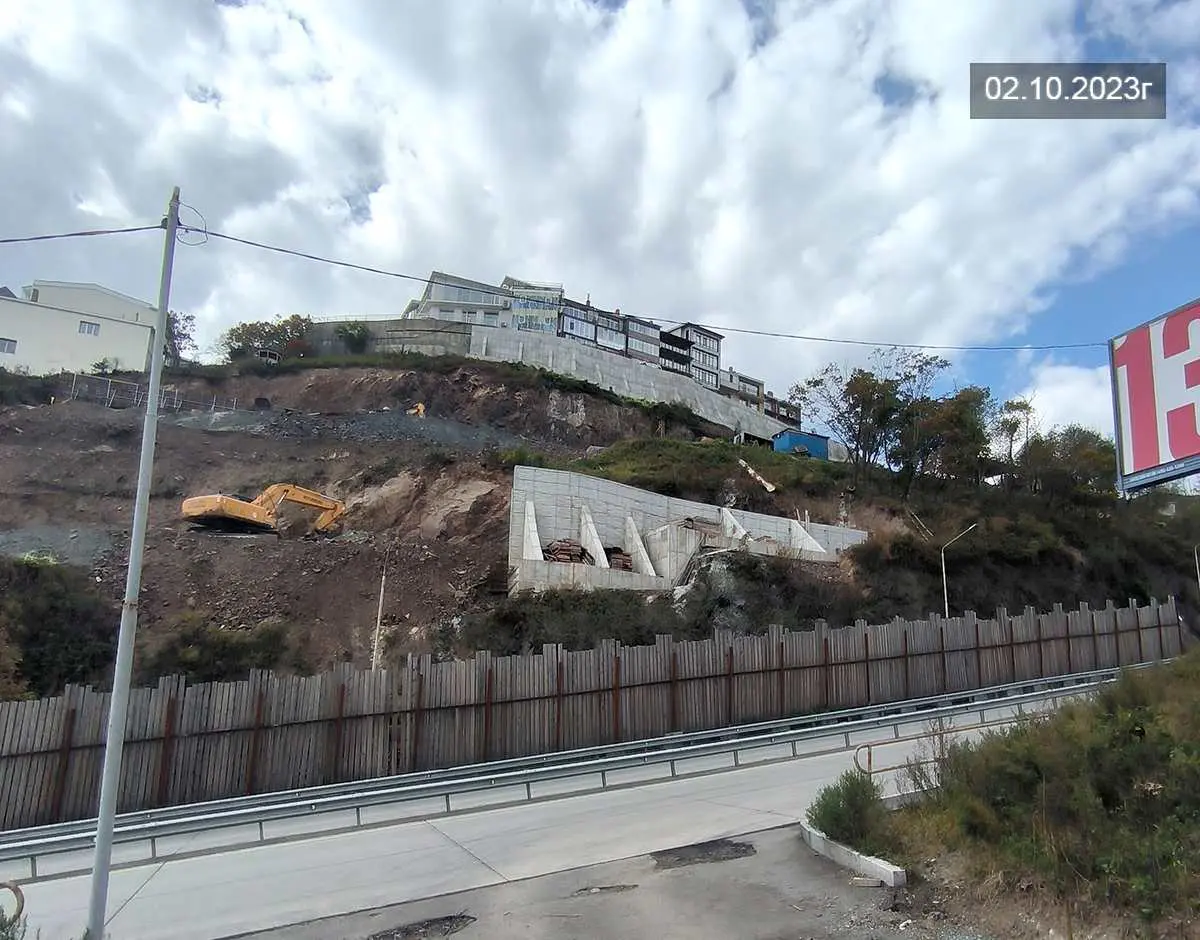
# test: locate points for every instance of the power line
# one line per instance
(85, 234)
(724, 329)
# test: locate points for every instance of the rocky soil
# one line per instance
(67, 478)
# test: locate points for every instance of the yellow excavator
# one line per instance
(259, 513)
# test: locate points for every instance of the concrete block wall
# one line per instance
(559, 498)
(619, 374)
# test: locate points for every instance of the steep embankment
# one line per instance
(548, 410)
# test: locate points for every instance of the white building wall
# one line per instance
(94, 299)
(49, 340)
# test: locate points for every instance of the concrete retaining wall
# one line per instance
(624, 376)
(562, 502)
(432, 337)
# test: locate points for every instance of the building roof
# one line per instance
(643, 320)
(441, 277)
(5, 292)
(698, 328)
(77, 314)
(779, 434)
(93, 286)
(516, 283)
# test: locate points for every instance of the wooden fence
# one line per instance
(203, 742)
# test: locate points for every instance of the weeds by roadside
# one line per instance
(1098, 802)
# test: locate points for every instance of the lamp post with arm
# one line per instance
(945, 585)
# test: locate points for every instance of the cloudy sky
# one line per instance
(796, 166)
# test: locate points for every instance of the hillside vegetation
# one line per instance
(1096, 805)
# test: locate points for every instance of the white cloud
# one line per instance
(661, 158)
(1066, 394)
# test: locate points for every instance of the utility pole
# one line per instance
(119, 705)
(945, 584)
(379, 614)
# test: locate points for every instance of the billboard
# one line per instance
(1156, 399)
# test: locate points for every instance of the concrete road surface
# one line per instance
(765, 886)
(229, 893)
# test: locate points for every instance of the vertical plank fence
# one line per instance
(188, 743)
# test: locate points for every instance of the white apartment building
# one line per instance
(57, 326)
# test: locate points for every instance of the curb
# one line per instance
(865, 865)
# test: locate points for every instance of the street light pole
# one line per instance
(945, 585)
(114, 741)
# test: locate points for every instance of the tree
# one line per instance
(286, 335)
(868, 408)
(181, 336)
(355, 336)
(964, 424)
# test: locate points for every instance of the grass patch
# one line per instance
(851, 811)
(1099, 802)
(700, 471)
(204, 652)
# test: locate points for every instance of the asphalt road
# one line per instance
(228, 893)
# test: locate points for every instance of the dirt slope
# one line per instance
(519, 404)
(67, 478)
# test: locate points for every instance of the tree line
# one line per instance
(887, 415)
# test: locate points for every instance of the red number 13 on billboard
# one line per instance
(1145, 375)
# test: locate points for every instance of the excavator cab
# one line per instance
(260, 514)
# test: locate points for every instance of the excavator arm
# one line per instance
(332, 509)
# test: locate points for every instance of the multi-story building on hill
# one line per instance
(536, 322)
(62, 325)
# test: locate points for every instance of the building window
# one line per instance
(33, 295)
(8, 347)
(88, 328)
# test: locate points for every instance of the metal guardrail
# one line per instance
(569, 757)
(348, 806)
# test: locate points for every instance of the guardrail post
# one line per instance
(616, 695)
(1041, 648)
(333, 759)
(416, 737)
(558, 702)
(674, 690)
(942, 651)
(782, 710)
(260, 703)
(168, 747)
(978, 655)
(729, 686)
(487, 713)
(825, 669)
(64, 764)
(1162, 652)
(867, 661)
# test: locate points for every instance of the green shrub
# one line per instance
(66, 632)
(204, 652)
(1099, 799)
(851, 811)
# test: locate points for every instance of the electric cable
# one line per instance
(535, 304)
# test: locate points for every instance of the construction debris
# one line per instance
(619, 559)
(567, 551)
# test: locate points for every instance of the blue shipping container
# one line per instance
(790, 442)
